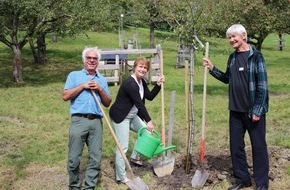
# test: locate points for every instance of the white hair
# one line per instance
(87, 49)
(237, 29)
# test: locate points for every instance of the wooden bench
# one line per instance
(114, 72)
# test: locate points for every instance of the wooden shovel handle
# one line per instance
(112, 132)
(162, 100)
(202, 146)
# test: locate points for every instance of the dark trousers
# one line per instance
(239, 124)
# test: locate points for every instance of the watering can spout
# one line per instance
(161, 149)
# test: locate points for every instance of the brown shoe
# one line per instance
(124, 181)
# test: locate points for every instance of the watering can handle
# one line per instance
(141, 129)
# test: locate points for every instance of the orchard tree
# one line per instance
(218, 16)
(149, 13)
(264, 17)
(22, 21)
(13, 14)
(282, 23)
(260, 18)
(99, 15)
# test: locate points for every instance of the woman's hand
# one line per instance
(150, 126)
(161, 80)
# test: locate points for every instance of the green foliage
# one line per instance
(185, 19)
(259, 18)
(280, 10)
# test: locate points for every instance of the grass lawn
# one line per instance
(34, 120)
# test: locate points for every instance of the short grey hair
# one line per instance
(236, 29)
(87, 49)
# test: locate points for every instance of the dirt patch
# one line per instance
(12, 119)
(217, 163)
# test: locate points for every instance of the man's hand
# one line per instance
(93, 85)
(255, 118)
(208, 64)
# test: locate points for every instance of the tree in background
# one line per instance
(260, 18)
(185, 19)
(282, 23)
(149, 13)
(282, 9)
(23, 21)
(213, 17)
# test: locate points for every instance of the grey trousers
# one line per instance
(131, 122)
(84, 131)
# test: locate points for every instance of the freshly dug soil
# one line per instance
(218, 165)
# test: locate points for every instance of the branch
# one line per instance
(65, 16)
(5, 41)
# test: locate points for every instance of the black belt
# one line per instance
(88, 116)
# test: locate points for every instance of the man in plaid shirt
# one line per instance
(246, 76)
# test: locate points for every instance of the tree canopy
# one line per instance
(260, 18)
(23, 21)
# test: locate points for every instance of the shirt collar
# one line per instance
(87, 73)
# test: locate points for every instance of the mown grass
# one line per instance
(34, 120)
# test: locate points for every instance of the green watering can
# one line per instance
(149, 144)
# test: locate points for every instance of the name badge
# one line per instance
(241, 68)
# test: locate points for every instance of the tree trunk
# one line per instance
(41, 49)
(260, 41)
(152, 35)
(53, 26)
(17, 64)
(31, 43)
(54, 37)
(257, 41)
(280, 42)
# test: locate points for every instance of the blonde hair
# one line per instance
(237, 29)
(141, 61)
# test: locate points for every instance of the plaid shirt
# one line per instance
(258, 85)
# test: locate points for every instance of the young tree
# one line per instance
(185, 19)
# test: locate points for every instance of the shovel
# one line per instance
(165, 165)
(137, 183)
(201, 175)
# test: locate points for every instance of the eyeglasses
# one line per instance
(94, 58)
